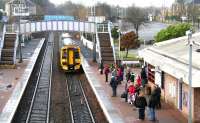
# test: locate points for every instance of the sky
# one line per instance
(122, 3)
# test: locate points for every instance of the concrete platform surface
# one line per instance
(117, 106)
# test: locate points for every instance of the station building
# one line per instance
(168, 66)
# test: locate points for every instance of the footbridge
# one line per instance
(102, 31)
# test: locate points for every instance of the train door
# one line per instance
(71, 57)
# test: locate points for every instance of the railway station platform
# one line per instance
(115, 108)
(13, 81)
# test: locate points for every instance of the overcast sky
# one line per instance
(123, 3)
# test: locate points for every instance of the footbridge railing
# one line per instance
(41, 26)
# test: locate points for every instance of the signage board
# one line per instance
(58, 17)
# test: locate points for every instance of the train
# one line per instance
(70, 56)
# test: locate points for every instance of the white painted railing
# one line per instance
(2, 40)
(87, 43)
(41, 26)
(102, 27)
(15, 48)
(98, 48)
(111, 41)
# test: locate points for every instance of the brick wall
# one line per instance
(197, 105)
(171, 89)
(185, 94)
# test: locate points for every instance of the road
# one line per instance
(149, 30)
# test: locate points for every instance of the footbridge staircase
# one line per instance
(105, 43)
(8, 49)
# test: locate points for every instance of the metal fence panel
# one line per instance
(33, 25)
(55, 25)
(60, 25)
(38, 26)
(44, 26)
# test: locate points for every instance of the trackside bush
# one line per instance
(172, 31)
(114, 33)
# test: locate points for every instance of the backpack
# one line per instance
(152, 101)
(140, 102)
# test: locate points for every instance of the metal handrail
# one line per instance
(16, 46)
(13, 28)
(2, 40)
(98, 47)
(111, 41)
(102, 27)
(36, 26)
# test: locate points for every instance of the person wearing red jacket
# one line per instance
(139, 80)
(131, 93)
(119, 75)
(106, 72)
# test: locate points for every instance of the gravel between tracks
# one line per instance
(59, 112)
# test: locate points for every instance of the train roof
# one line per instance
(67, 41)
(66, 35)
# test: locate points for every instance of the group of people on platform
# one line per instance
(137, 91)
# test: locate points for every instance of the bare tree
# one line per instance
(181, 7)
(103, 9)
(137, 16)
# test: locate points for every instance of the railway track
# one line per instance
(79, 107)
(34, 105)
(40, 105)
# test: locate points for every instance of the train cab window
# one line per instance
(64, 54)
(76, 54)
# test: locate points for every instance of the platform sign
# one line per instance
(58, 18)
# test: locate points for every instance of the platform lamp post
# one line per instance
(19, 34)
(190, 43)
(193, 7)
(94, 35)
(119, 44)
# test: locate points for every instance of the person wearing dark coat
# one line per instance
(106, 72)
(152, 106)
(113, 84)
(141, 103)
(157, 92)
(144, 78)
(101, 67)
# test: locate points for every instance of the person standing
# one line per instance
(128, 74)
(143, 75)
(132, 77)
(138, 80)
(113, 84)
(131, 93)
(157, 92)
(148, 96)
(141, 103)
(152, 105)
(106, 72)
(119, 75)
(101, 67)
(114, 72)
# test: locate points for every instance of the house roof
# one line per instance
(172, 57)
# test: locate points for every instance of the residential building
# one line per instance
(22, 7)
